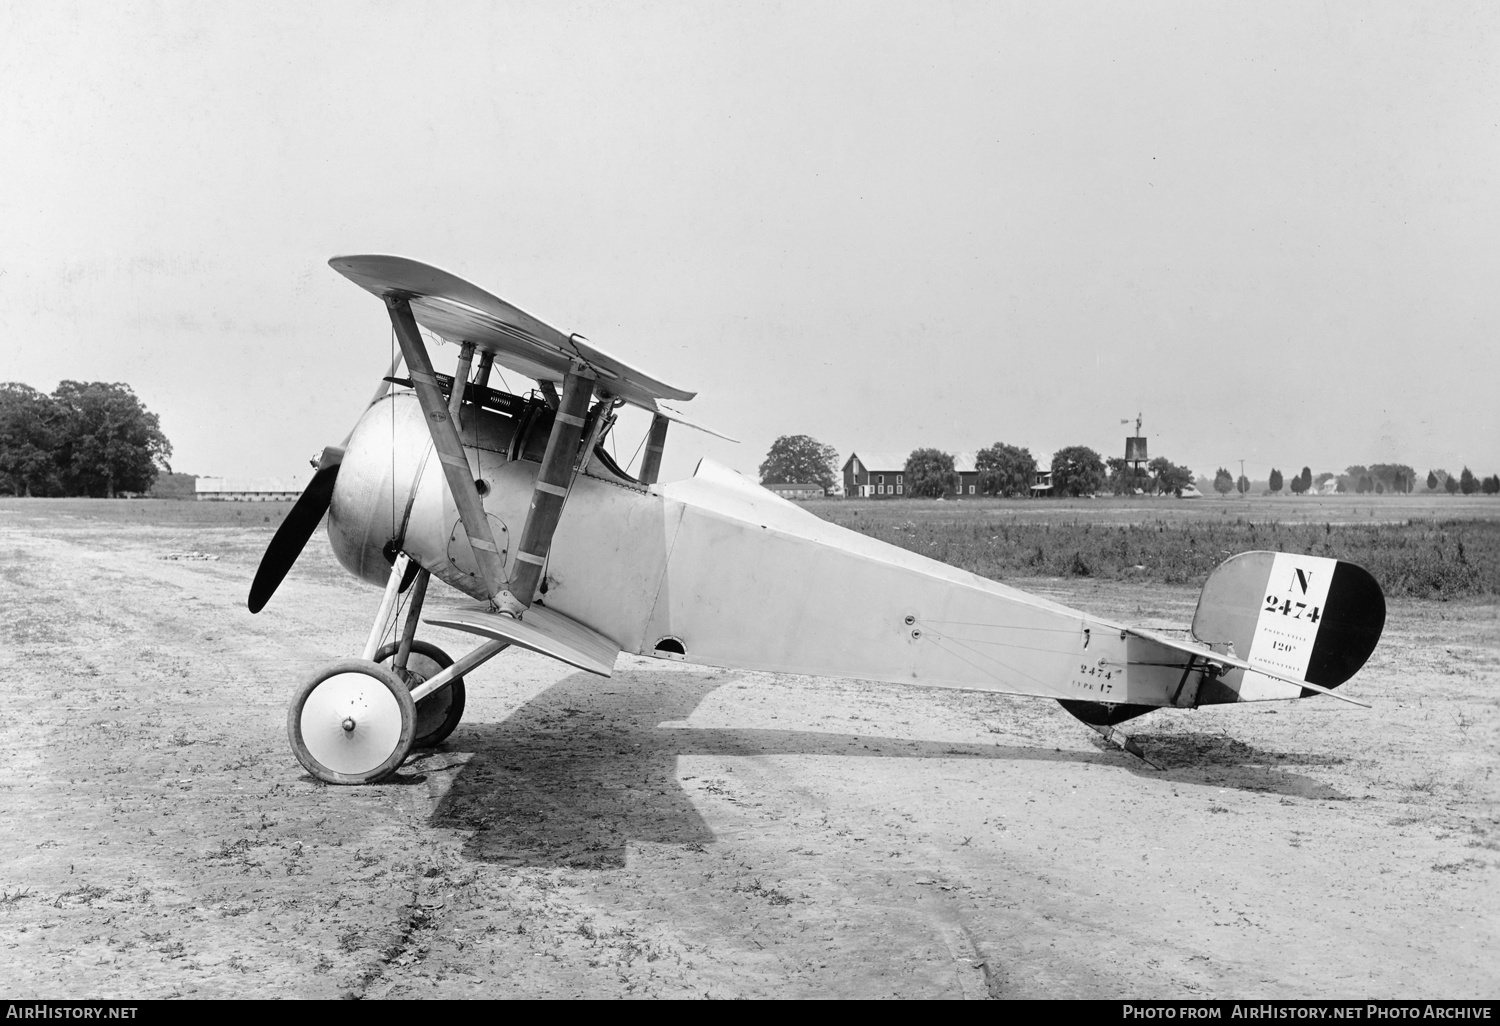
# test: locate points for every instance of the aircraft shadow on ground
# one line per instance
(586, 767)
(1218, 760)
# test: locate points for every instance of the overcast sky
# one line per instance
(1273, 229)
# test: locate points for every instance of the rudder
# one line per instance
(1307, 617)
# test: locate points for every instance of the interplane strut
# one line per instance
(450, 452)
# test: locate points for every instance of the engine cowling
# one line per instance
(377, 479)
(391, 497)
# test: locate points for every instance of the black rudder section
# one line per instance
(1353, 617)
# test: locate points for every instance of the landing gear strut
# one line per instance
(438, 713)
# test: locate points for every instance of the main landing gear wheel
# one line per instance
(439, 713)
(352, 723)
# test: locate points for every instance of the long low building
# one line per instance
(247, 489)
(797, 490)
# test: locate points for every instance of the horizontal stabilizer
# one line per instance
(1237, 664)
(542, 630)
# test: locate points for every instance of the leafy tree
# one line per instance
(1168, 477)
(1466, 482)
(1432, 481)
(1306, 479)
(1397, 477)
(110, 442)
(1242, 485)
(1492, 485)
(1124, 479)
(1005, 470)
(798, 459)
(1223, 481)
(1077, 470)
(28, 439)
(929, 473)
(1450, 485)
(1296, 485)
(1276, 480)
(1342, 488)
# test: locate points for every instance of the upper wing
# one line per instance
(459, 311)
(686, 421)
(1223, 659)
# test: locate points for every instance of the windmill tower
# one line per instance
(1135, 448)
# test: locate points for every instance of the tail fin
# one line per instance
(1306, 617)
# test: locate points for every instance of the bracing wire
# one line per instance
(637, 452)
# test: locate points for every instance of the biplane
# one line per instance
(515, 503)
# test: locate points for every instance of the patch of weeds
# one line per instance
(759, 890)
(228, 850)
(84, 895)
(1428, 785)
(9, 897)
(1455, 867)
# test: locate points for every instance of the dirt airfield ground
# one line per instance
(675, 831)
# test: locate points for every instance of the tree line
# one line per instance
(1381, 479)
(1003, 470)
(1010, 470)
(91, 438)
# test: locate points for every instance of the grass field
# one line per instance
(1434, 548)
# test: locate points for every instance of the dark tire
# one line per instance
(352, 723)
(438, 714)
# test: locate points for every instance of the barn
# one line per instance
(882, 475)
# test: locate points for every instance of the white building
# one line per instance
(248, 489)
